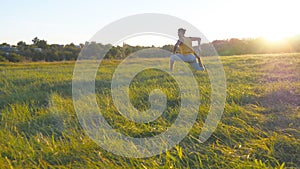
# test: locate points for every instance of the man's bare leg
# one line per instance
(171, 64)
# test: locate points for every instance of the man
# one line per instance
(186, 51)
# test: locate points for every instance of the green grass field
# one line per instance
(260, 126)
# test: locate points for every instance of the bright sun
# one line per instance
(275, 36)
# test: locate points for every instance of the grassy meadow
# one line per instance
(260, 126)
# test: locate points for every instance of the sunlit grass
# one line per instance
(259, 128)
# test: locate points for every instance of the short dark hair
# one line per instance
(181, 29)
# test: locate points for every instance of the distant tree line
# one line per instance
(40, 50)
(256, 46)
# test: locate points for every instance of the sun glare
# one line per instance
(275, 37)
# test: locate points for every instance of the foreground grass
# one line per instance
(260, 127)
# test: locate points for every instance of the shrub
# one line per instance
(14, 57)
(2, 59)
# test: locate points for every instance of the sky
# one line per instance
(71, 21)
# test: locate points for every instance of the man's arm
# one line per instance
(196, 39)
(176, 46)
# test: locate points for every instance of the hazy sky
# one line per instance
(69, 21)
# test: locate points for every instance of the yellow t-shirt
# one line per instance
(186, 47)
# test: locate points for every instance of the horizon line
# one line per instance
(218, 39)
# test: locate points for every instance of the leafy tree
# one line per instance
(168, 48)
(94, 50)
(4, 44)
(21, 44)
(2, 59)
(71, 52)
(40, 43)
(14, 57)
(113, 53)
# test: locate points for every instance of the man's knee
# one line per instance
(173, 57)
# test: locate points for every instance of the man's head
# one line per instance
(181, 32)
